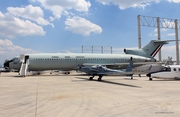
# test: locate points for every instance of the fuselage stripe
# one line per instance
(157, 50)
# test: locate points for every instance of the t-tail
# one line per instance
(150, 50)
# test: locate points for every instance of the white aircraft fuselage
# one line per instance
(171, 72)
(69, 61)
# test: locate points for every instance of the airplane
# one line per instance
(71, 61)
(167, 72)
(148, 68)
(100, 71)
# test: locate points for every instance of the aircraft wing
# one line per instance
(115, 72)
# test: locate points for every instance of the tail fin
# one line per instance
(150, 50)
(129, 67)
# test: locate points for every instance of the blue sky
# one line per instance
(37, 26)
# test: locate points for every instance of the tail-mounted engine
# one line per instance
(135, 52)
(139, 59)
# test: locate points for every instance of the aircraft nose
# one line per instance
(6, 64)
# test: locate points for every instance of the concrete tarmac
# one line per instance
(73, 95)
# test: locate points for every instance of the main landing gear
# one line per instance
(150, 78)
(91, 78)
(99, 79)
(149, 75)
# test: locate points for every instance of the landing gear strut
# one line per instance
(100, 77)
(150, 78)
(91, 78)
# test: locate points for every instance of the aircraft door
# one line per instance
(26, 59)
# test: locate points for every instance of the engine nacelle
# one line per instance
(140, 59)
(135, 52)
(141, 55)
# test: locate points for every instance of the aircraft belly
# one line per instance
(166, 75)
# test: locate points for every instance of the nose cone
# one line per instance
(6, 64)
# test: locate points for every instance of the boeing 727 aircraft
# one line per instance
(66, 61)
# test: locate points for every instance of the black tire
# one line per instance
(91, 78)
(99, 79)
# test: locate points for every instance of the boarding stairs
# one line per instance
(24, 65)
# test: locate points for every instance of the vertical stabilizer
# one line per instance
(129, 67)
(150, 50)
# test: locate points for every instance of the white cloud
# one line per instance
(11, 26)
(5, 43)
(68, 52)
(175, 1)
(164, 33)
(30, 12)
(81, 26)
(123, 4)
(58, 6)
(79, 5)
(171, 34)
(8, 50)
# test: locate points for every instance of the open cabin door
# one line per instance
(24, 59)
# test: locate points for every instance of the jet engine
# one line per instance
(135, 52)
(141, 59)
(140, 54)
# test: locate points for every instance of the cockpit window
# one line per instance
(15, 58)
(166, 69)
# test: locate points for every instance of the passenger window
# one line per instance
(174, 69)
